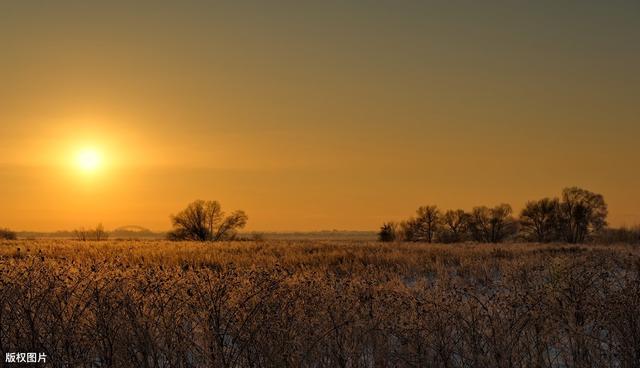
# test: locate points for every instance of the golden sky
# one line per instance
(313, 115)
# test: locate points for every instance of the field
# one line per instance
(315, 303)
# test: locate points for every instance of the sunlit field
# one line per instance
(310, 303)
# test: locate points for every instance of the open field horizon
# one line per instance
(244, 235)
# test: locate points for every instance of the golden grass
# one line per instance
(320, 304)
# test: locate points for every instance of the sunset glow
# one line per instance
(312, 115)
(89, 160)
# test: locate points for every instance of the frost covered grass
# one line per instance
(320, 304)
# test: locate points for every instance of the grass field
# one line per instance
(320, 304)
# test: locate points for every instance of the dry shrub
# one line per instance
(314, 304)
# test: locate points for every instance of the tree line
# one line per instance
(576, 217)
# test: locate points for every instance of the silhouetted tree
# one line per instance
(429, 220)
(388, 232)
(578, 216)
(7, 234)
(205, 221)
(479, 219)
(227, 228)
(492, 225)
(424, 226)
(581, 214)
(455, 225)
(539, 220)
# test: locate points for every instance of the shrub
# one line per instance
(388, 232)
(320, 304)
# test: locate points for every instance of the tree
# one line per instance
(205, 221)
(409, 230)
(227, 229)
(424, 226)
(492, 225)
(539, 220)
(388, 232)
(455, 226)
(581, 214)
(479, 223)
(429, 220)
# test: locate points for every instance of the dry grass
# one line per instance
(320, 304)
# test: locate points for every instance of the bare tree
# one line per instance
(213, 214)
(205, 221)
(582, 213)
(423, 227)
(227, 228)
(455, 226)
(492, 225)
(539, 220)
(430, 219)
(192, 222)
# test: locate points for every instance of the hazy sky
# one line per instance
(313, 115)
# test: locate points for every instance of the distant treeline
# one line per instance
(89, 234)
(315, 235)
(578, 216)
(144, 234)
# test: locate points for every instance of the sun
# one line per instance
(88, 159)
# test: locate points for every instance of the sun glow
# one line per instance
(88, 159)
